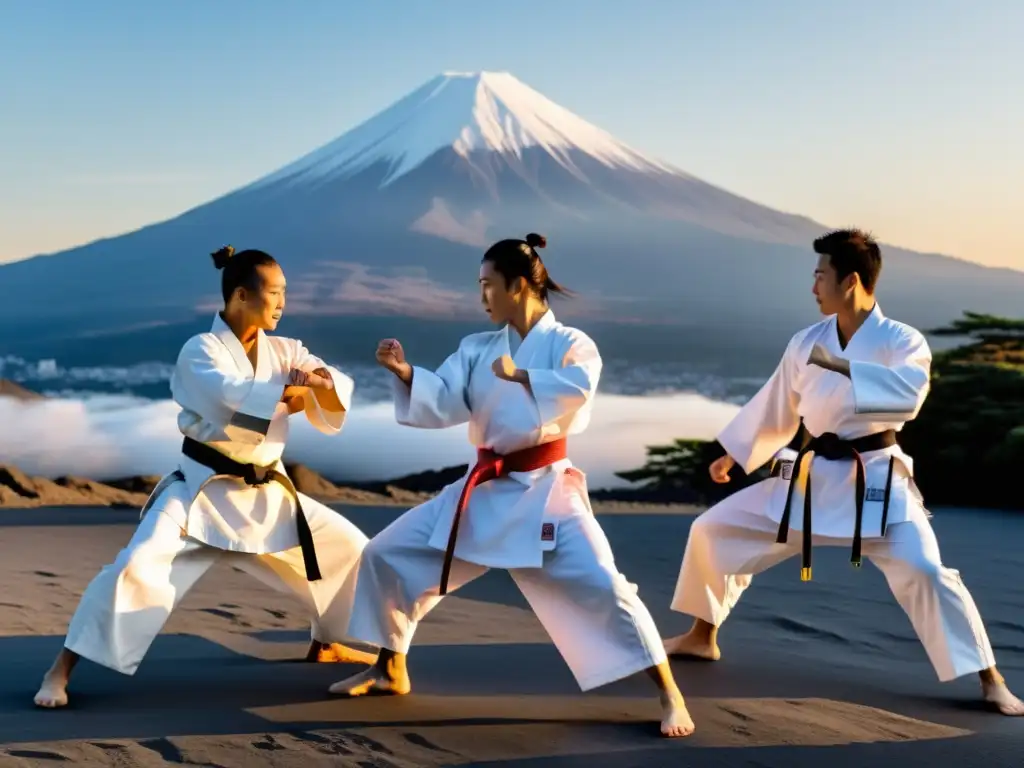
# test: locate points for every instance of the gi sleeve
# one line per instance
(325, 410)
(770, 418)
(561, 392)
(436, 399)
(896, 389)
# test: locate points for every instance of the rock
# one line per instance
(311, 483)
(419, 483)
(406, 496)
(18, 482)
(19, 490)
(320, 488)
(9, 389)
(136, 484)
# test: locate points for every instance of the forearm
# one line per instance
(764, 426)
(879, 388)
(897, 390)
(522, 376)
(428, 399)
(404, 374)
(838, 365)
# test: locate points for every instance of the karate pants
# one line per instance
(591, 612)
(128, 602)
(732, 542)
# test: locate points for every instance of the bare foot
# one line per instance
(693, 645)
(336, 653)
(1000, 697)
(53, 692)
(372, 682)
(676, 720)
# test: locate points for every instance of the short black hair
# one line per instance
(849, 251)
(240, 269)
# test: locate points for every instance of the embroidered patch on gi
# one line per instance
(787, 470)
(547, 532)
(876, 494)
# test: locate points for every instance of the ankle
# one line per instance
(57, 672)
(671, 696)
(991, 676)
(703, 632)
(391, 664)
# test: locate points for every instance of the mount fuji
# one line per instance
(391, 219)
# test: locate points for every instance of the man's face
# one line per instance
(828, 291)
(265, 306)
(499, 300)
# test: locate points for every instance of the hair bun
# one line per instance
(223, 256)
(536, 241)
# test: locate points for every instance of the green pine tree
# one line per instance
(968, 440)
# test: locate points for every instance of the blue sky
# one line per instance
(904, 116)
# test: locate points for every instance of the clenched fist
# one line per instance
(390, 355)
(720, 467)
(504, 368)
(318, 379)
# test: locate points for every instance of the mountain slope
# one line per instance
(391, 218)
(467, 113)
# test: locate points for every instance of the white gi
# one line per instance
(187, 526)
(734, 540)
(538, 525)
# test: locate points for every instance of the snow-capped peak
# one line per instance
(467, 112)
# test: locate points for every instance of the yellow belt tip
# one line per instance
(805, 574)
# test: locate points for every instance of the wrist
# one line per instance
(833, 363)
(404, 372)
(826, 362)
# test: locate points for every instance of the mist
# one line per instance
(114, 436)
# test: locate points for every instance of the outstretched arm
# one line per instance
(768, 421)
(428, 399)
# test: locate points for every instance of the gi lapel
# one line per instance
(234, 347)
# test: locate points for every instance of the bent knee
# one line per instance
(918, 569)
(932, 570)
(374, 551)
(703, 526)
(601, 585)
(379, 553)
(706, 527)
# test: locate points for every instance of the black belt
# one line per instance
(832, 448)
(254, 474)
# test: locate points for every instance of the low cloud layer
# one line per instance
(109, 437)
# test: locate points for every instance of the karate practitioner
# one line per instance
(230, 499)
(522, 389)
(853, 379)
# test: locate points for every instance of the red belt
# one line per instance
(489, 466)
